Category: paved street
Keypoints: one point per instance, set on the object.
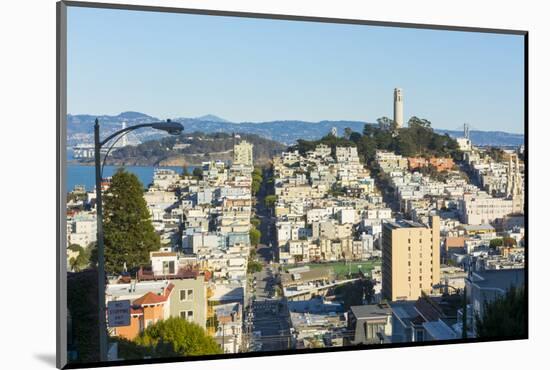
(272, 322)
(268, 314)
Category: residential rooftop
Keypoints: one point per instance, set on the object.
(371, 310)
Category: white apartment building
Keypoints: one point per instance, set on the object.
(478, 209)
(82, 230)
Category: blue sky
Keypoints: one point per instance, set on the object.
(179, 65)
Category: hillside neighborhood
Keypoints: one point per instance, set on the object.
(329, 243)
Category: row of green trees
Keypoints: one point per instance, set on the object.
(503, 242)
(418, 139)
(257, 180)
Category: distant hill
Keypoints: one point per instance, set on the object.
(211, 118)
(488, 138)
(192, 149)
(80, 129)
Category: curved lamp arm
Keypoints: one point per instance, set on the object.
(109, 151)
(124, 130)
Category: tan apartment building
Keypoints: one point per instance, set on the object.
(410, 259)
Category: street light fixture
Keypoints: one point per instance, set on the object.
(173, 128)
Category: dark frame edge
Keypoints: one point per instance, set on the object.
(526, 171)
(288, 17)
(61, 194)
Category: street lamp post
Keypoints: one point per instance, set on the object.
(173, 128)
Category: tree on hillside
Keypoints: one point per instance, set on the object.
(82, 260)
(384, 122)
(177, 337)
(255, 236)
(255, 221)
(347, 133)
(366, 146)
(185, 171)
(129, 233)
(355, 137)
(353, 294)
(197, 172)
(509, 242)
(130, 350)
(270, 201)
(504, 317)
(253, 267)
(415, 122)
(419, 139)
(257, 180)
(495, 243)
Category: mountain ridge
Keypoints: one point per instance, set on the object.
(80, 128)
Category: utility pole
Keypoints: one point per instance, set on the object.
(103, 345)
(173, 128)
(223, 337)
(464, 315)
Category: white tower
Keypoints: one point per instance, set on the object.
(334, 131)
(398, 107)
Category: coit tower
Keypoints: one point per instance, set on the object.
(398, 107)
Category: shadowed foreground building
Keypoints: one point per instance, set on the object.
(410, 259)
(370, 324)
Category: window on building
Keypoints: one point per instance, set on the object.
(189, 315)
(186, 294)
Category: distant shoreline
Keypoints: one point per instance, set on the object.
(92, 164)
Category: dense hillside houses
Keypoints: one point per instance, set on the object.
(324, 210)
(327, 250)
